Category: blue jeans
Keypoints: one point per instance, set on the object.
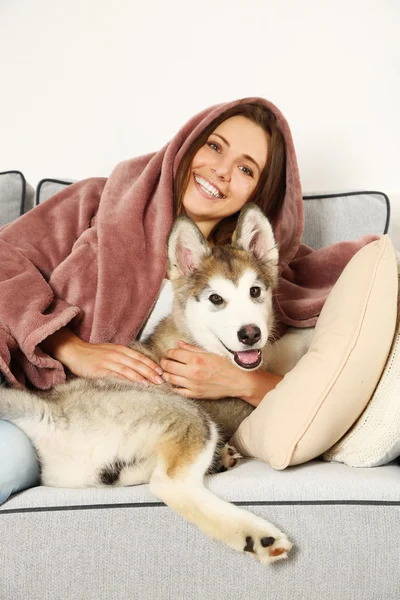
(19, 468)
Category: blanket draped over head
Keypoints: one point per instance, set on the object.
(93, 258)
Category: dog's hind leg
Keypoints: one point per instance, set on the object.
(24, 409)
(178, 480)
(16, 403)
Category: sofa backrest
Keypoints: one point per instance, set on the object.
(16, 196)
(328, 218)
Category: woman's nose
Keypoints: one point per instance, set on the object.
(222, 171)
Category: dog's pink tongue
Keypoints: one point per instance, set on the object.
(248, 357)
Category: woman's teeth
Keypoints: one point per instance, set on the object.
(207, 187)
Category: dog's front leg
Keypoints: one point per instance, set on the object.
(178, 481)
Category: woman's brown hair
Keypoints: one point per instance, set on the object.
(270, 190)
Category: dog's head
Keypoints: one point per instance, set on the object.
(223, 294)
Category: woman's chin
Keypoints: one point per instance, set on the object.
(205, 207)
(200, 209)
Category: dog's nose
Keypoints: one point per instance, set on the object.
(249, 335)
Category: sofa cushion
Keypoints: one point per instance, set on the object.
(251, 481)
(48, 187)
(374, 440)
(323, 395)
(16, 196)
(331, 218)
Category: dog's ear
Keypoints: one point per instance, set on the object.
(186, 248)
(254, 234)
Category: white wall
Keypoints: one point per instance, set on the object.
(87, 83)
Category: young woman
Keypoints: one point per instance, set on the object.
(80, 275)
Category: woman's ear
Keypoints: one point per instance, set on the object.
(186, 248)
(254, 234)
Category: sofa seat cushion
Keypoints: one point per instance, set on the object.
(251, 482)
(122, 543)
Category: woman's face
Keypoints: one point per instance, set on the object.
(225, 171)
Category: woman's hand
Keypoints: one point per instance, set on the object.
(198, 374)
(202, 375)
(101, 360)
(104, 360)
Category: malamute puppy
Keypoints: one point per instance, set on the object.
(108, 432)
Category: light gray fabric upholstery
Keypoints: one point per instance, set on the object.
(331, 218)
(122, 544)
(16, 196)
(48, 187)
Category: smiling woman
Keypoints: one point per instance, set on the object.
(72, 300)
(114, 232)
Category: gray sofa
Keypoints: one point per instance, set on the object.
(120, 544)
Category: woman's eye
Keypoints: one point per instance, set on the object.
(255, 292)
(216, 299)
(246, 171)
(214, 146)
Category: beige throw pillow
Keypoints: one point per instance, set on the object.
(375, 439)
(319, 400)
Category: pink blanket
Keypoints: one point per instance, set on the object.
(93, 257)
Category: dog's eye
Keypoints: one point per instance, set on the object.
(255, 292)
(216, 299)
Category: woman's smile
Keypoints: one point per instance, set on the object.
(207, 189)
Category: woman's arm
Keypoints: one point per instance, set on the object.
(63, 345)
(31, 248)
(202, 375)
(257, 384)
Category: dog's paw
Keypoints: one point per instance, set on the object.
(266, 548)
(229, 457)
